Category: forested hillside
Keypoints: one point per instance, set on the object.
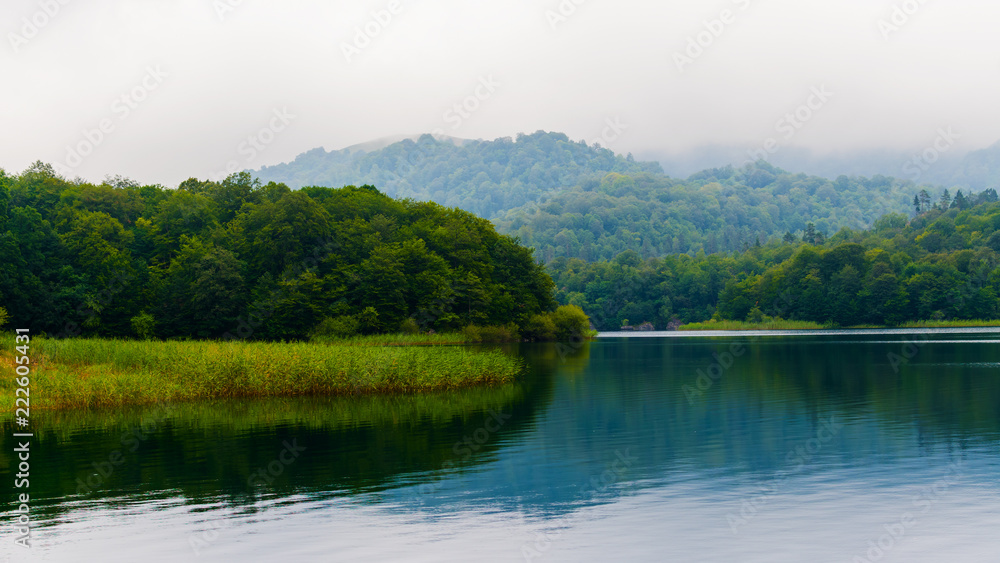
(244, 258)
(566, 198)
(941, 265)
(718, 210)
(238, 258)
(484, 177)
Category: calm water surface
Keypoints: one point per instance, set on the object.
(816, 446)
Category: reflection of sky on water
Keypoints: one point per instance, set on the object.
(605, 460)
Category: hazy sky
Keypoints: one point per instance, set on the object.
(182, 86)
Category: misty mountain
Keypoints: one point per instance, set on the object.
(717, 210)
(567, 198)
(484, 177)
(975, 170)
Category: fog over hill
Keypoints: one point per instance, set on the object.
(485, 177)
(569, 198)
(951, 167)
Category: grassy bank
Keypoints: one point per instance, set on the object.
(743, 325)
(438, 339)
(105, 373)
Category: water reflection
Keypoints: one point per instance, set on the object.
(604, 437)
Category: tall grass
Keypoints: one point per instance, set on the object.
(471, 334)
(103, 373)
(777, 324)
(401, 339)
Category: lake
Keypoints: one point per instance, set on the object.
(808, 446)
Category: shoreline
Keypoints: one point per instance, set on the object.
(808, 325)
(805, 332)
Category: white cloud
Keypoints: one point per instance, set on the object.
(607, 60)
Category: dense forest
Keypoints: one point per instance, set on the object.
(943, 264)
(244, 258)
(568, 198)
(241, 259)
(484, 177)
(718, 210)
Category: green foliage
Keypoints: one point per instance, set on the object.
(504, 333)
(570, 322)
(337, 327)
(144, 325)
(409, 326)
(484, 177)
(885, 276)
(567, 323)
(765, 324)
(79, 372)
(539, 328)
(3, 317)
(721, 210)
(368, 320)
(238, 259)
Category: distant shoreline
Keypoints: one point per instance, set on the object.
(988, 329)
(807, 325)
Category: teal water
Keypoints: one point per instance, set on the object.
(826, 446)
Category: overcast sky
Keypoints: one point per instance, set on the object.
(180, 85)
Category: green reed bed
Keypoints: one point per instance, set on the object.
(438, 339)
(102, 373)
(778, 324)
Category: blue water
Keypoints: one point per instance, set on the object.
(806, 446)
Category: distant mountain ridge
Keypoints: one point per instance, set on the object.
(379, 144)
(974, 170)
(484, 177)
(575, 200)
